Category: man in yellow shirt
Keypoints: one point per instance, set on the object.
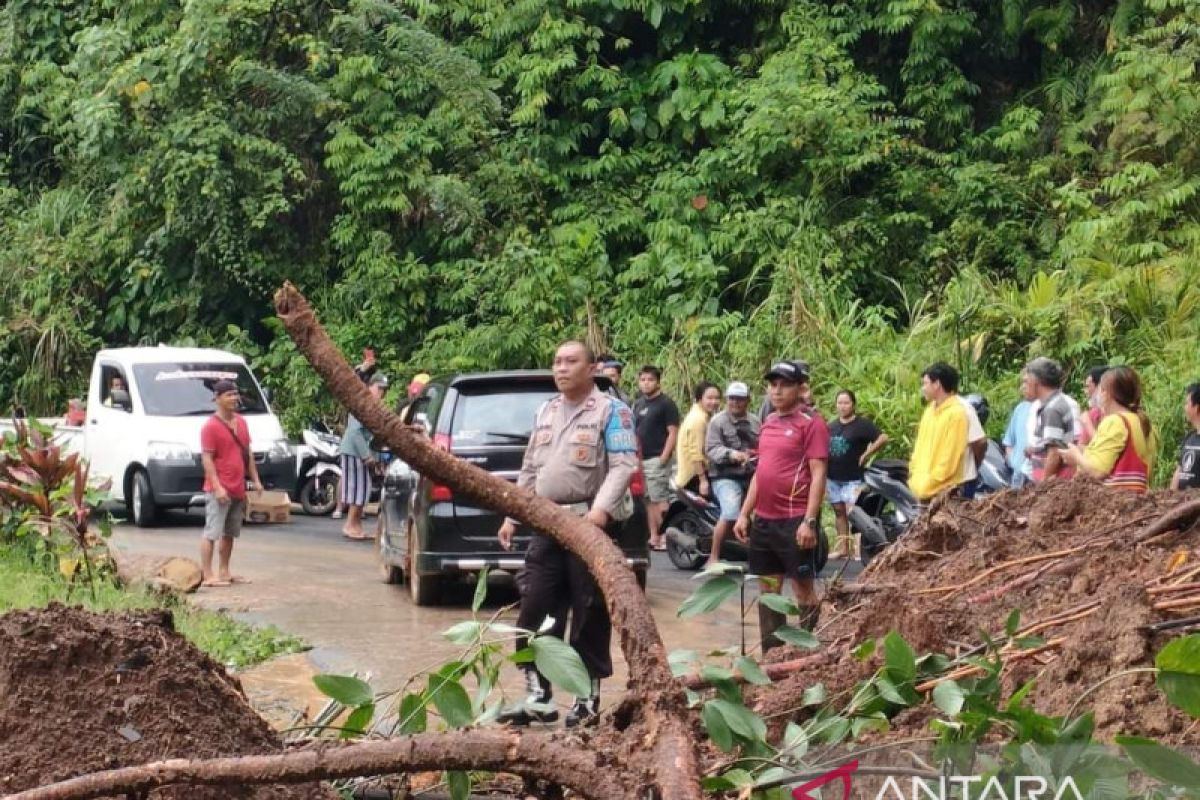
(941, 445)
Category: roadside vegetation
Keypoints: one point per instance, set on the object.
(52, 550)
(704, 185)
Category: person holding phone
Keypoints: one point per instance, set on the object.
(729, 445)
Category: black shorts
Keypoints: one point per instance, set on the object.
(773, 549)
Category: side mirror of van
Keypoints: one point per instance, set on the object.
(120, 399)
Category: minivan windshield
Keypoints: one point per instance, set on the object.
(483, 416)
(186, 389)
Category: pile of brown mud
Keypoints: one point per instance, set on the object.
(1063, 554)
(82, 692)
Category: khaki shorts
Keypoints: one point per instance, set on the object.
(658, 479)
(223, 519)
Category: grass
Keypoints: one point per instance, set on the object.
(24, 584)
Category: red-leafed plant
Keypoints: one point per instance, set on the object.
(47, 503)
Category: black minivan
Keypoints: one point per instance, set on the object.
(427, 536)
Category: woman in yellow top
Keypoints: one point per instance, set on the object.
(692, 463)
(1122, 452)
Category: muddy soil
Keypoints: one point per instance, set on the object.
(82, 692)
(933, 587)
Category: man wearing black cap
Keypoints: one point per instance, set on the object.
(225, 453)
(779, 515)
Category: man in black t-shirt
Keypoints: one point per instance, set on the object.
(1187, 474)
(657, 419)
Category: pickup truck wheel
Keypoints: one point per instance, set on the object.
(141, 502)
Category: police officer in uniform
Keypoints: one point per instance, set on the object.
(582, 455)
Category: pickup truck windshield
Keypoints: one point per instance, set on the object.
(186, 389)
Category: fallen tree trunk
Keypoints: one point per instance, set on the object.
(659, 751)
(531, 756)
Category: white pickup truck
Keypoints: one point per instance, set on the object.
(145, 408)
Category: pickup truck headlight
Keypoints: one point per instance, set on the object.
(280, 450)
(171, 451)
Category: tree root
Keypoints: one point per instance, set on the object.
(1181, 515)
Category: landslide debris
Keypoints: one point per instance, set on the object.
(1064, 554)
(82, 692)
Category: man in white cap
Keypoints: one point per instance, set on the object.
(729, 447)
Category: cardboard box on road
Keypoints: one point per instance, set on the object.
(268, 507)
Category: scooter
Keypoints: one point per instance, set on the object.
(689, 524)
(885, 508)
(319, 472)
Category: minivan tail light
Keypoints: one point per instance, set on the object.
(440, 493)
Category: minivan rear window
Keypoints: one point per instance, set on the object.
(483, 417)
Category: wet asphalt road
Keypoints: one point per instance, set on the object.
(309, 581)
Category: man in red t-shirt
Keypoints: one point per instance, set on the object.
(225, 453)
(785, 497)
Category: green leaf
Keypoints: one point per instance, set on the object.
(711, 594)
(741, 720)
(814, 695)
(522, 656)
(561, 665)
(1012, 623)
(682, 662)
(358, 721)
(797, 637)
(1029, 642)
(887, 690)
(1160, 762)
(718, 729)
(949, 697)
(772, 775)
(413, 717)
(481, 586)
(1179, 673)
(739, 778)
(779, 603)
(795, 740)
(451, 700)
(346, 689)
(463, 632)
(459, 783)
(751, 671)
(864, 650)
(900, 659)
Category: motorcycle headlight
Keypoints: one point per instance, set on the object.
(280, 450)
(170, 451)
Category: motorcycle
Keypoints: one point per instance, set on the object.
(689, 524)
(994, 472)
(884, 509)
(318, 471)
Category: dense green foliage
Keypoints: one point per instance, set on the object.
(870, 185)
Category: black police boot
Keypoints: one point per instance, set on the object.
(536, 706)
(769, 621)
(586, 710)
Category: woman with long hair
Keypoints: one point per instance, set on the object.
(1122, 452)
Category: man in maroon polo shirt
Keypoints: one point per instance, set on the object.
(779, 515)
(225, 453)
